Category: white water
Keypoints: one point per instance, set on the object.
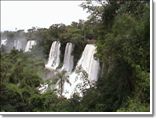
(78, 81)
(3, 41)
(54, 56)
(43, 88)
(68, 58)
(19, 44)
(29, 45)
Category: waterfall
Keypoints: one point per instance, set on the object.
(16, 44)
(54, 56)
(19, 44)
(88, 62)
(29, 45)
(3, 41)
(86, 73)
(68, 58)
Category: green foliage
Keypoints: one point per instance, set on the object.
(133, 105)
(19, 80)
(122, 33)
(62, 78)
(124, 51)
(21, 75)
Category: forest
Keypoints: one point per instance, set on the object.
(121, 32)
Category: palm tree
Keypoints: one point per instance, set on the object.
(63, 77)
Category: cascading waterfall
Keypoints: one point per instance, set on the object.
(86, 73)
(54, 56)
(68, 58)
(29, 45)
(83, 77)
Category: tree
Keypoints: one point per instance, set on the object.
(62, 78)
(123, 50)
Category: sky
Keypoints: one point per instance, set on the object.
(16, 15)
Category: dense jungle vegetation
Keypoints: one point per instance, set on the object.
(121, 31)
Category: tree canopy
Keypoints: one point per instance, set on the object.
(121, 32)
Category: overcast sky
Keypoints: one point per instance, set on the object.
(28, 14)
